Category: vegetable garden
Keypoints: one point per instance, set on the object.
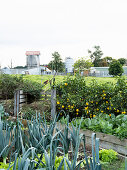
(42, 144)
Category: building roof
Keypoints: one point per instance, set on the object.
(32, 52)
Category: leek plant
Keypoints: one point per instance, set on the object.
(126, 163)
(65, 139)
(40, 134)
(18, 133)
(50, 142)
(51, 156)
(24, 162)
(5, 141)
(94, 161)
(75, 141)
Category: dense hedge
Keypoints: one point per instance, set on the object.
(9, 83)
(78, 99)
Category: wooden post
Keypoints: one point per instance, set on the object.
(22, 99)
(16, 102)
(19, 100)
(53, 103)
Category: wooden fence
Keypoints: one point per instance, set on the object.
(19, 99)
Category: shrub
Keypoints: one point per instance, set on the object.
(115, 68)
(33, 89)
(78, 99)
(70, 96)
(9, 83)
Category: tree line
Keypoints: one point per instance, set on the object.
(95, 59)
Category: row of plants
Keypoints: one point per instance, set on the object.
(113, 125)
(109, 160)
(9, 83)
(43, 146)
(78, 99)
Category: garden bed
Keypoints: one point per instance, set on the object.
(107, 141)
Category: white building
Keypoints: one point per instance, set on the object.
(41, 70)
(69, 62)
(103, 71)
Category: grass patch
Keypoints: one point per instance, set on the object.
(115, 165)
(59, 78)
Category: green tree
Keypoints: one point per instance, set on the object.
(82, 64)
(57, 63)
(108, 60)
(104, 62)
(20, 67)
(96, 56)
(115, 68)
(122, 61)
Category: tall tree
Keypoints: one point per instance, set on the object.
(104, 62)
(82, 64)
(122, 61)
(96, 55)
(57, 63)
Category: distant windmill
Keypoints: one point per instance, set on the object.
(32, 59)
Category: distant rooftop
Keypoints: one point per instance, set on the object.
(32, 52)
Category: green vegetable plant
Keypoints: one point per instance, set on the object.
(6, 141)
(114, 125)
(2, 112)
(50, 142)
(108, 155)
(40, 133)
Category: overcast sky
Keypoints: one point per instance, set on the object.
(70, 27)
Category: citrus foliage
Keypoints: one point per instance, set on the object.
(78, 99)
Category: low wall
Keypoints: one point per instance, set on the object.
(107, 141)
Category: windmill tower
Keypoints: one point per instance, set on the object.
(32, 59)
